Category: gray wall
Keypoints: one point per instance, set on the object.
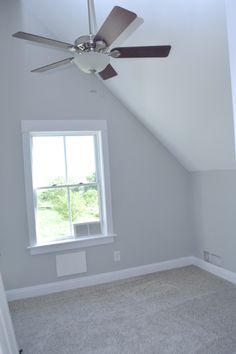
(215, 215)
(150, 189)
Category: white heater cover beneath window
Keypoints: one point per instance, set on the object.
(71, 263)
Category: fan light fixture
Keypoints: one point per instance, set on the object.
(91, 62)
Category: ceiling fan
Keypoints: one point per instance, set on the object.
(92, 52)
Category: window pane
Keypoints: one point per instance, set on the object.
(81, 166)
(48, 161)
(84, 204)
(52, 214)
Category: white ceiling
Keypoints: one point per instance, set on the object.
(185, 100)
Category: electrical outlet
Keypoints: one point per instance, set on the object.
(117, 256)
(212, 258)
(215, 259)
(206, 256)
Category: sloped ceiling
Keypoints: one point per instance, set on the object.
(185, 100)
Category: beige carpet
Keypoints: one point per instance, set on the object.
(179, 311)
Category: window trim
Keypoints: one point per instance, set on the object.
(30, 127)
(63, 245)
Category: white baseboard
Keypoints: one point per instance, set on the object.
(211, 268)
(90, 280)
(103, 278)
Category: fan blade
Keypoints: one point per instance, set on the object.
(52, 65)
(108, 72)
(116, 22)
(42, 40)
(128, 31)
(141, 52)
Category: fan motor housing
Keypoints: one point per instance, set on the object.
(87, 44)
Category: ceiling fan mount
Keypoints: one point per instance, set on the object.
(92, 52)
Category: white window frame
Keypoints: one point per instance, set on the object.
(34, 127)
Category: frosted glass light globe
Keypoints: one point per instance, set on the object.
(91, 62)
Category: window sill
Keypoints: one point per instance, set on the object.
(71, 244)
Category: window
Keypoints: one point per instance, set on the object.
(67, 184)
